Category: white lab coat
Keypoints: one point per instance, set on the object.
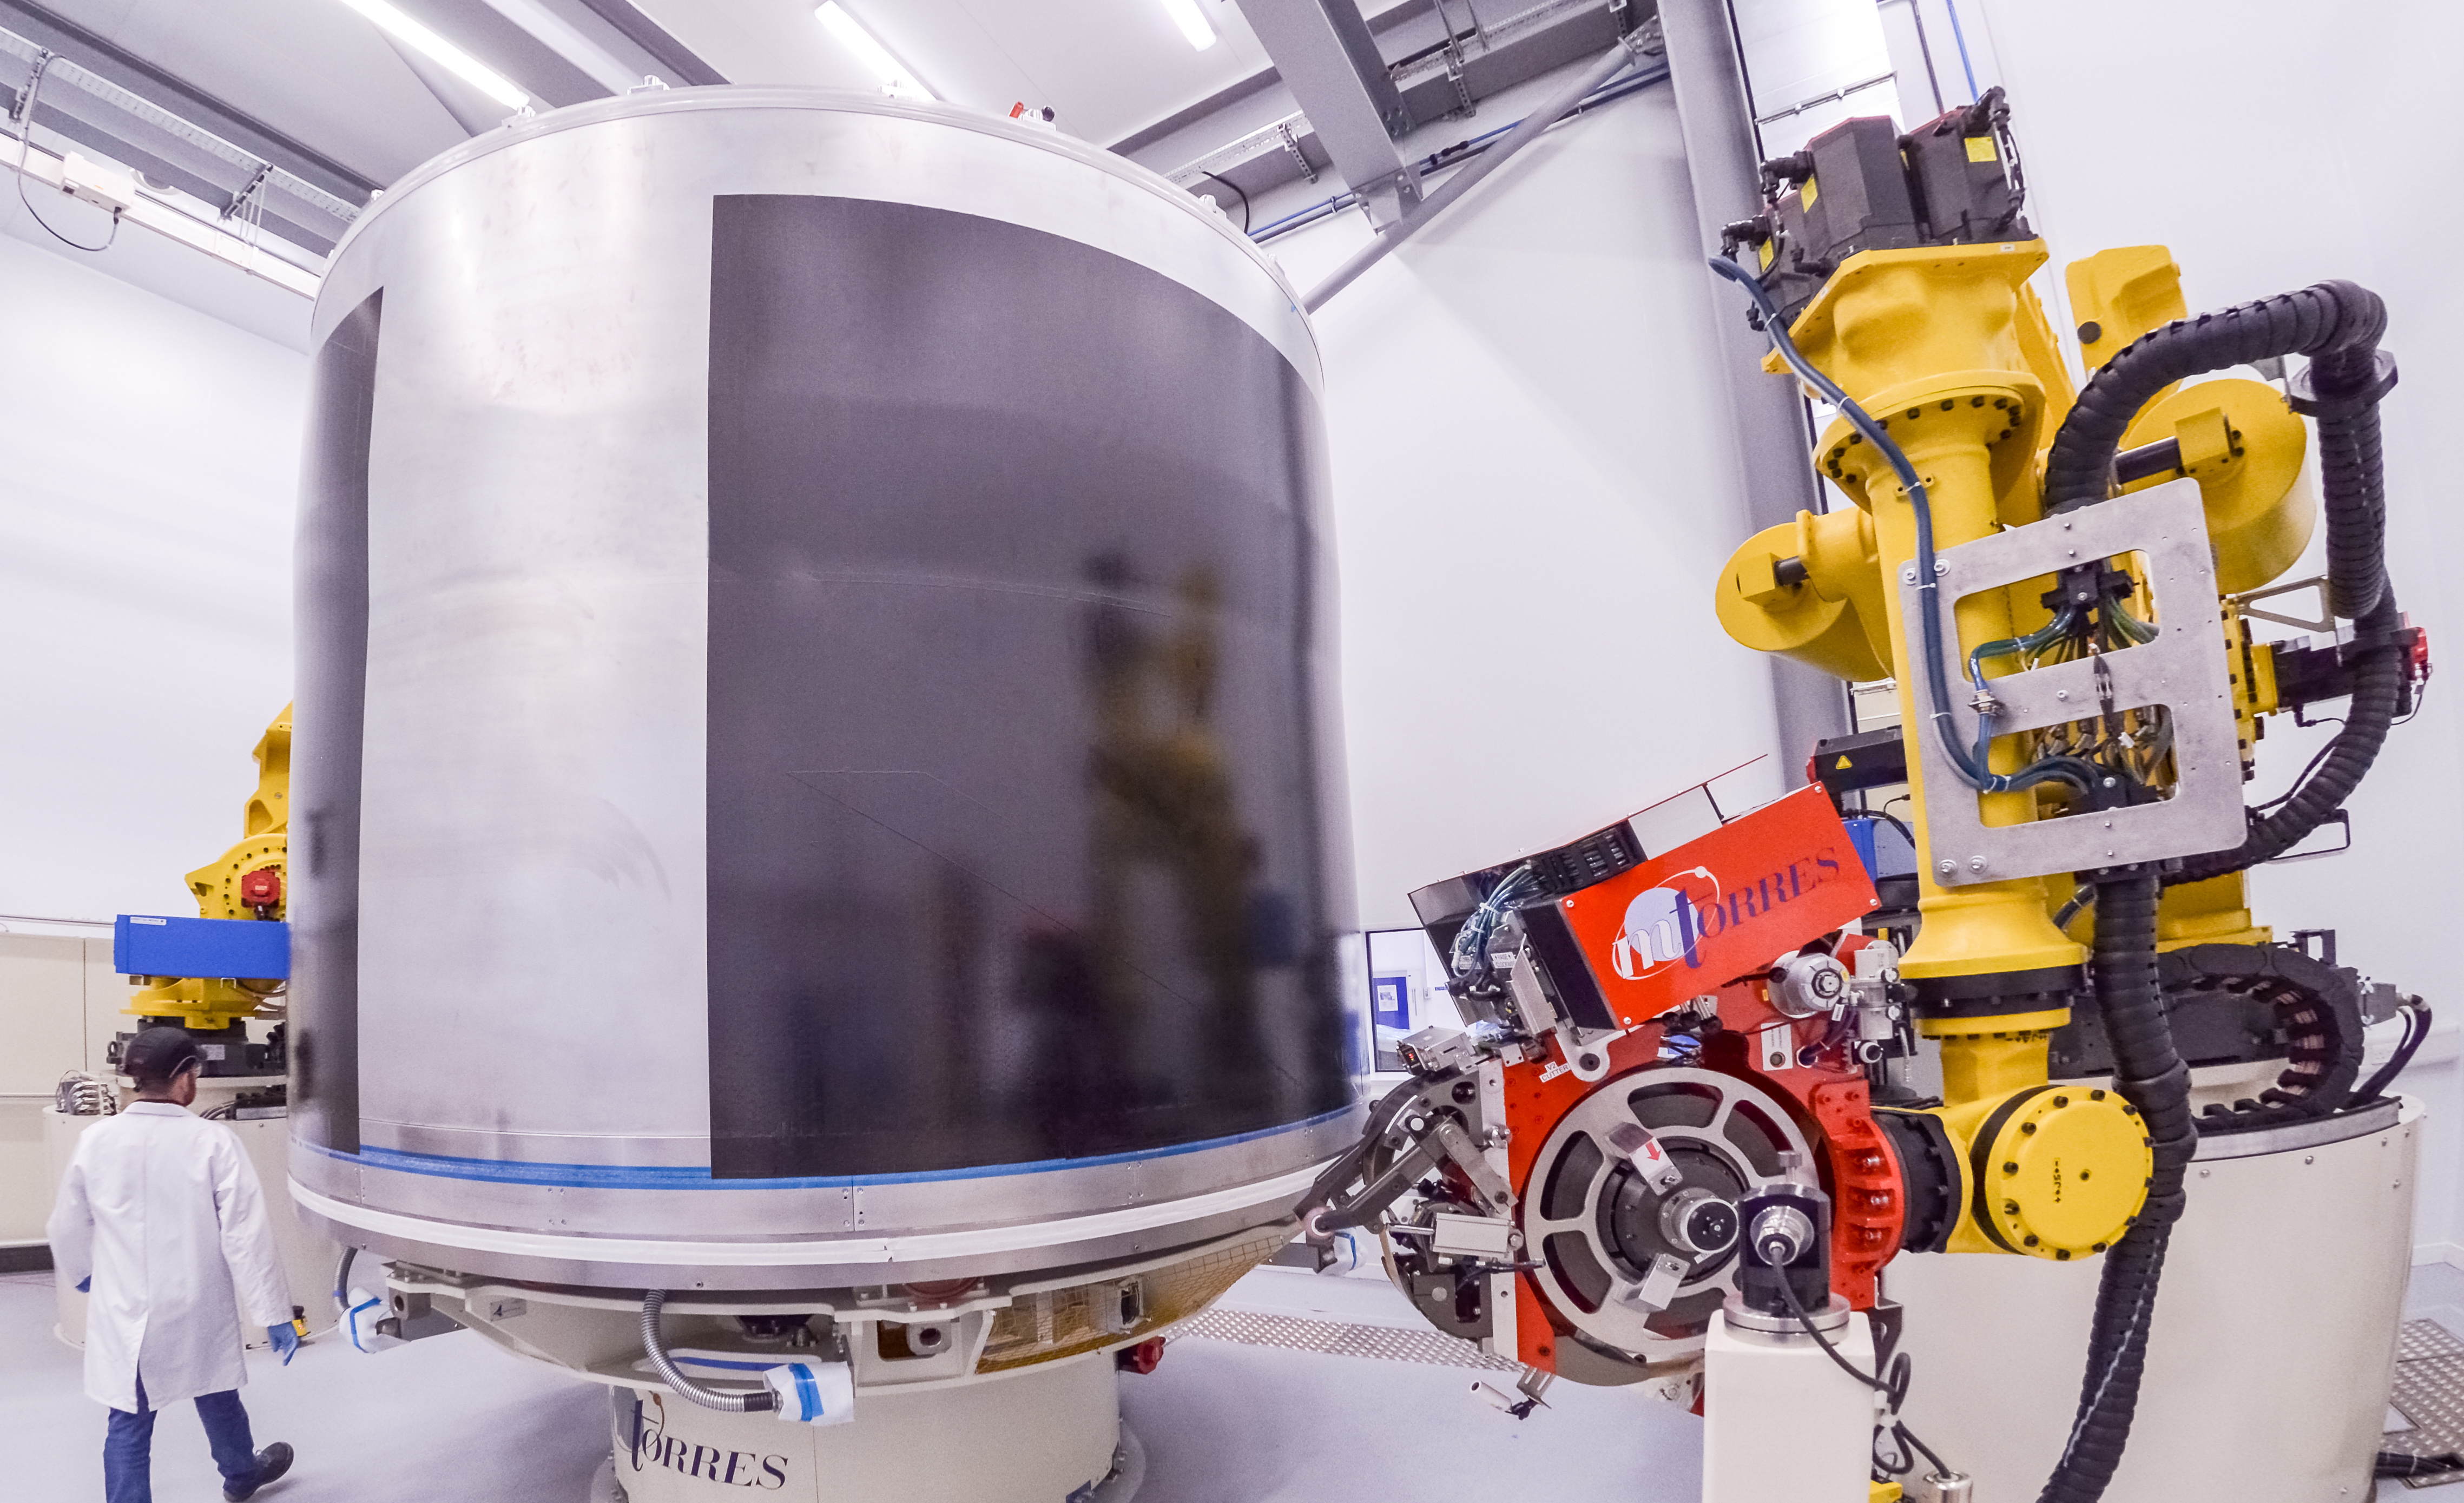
(164, 1210)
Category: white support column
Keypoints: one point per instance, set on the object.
(1782, 1424)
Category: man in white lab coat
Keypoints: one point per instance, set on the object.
(162, 1220)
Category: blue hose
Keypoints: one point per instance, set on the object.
(1971, 769)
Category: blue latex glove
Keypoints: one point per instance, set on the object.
(285, 1342)
(85, 1285)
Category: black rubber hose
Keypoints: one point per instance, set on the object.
(2378, 679)
(2416, 1018)
(2338, 325)
(2150, 1076)
(2352, 483)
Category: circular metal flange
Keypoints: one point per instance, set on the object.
(1831, 1317)
(2002, 409)
(217, 883)
(1586, 1215)
(2060, 1172)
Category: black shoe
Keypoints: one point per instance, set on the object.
(271, 1464)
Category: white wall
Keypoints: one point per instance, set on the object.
(1814, 64)
(147, 472)
(1534, 489)
(60, 1006)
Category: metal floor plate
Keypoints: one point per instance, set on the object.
(1341, 1338)
(2425, 1338)
(2430, 1392)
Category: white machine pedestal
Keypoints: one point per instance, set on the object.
(2274, 1341)
(1781, 1423)
(1047, 1434)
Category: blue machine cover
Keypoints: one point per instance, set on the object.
(145, 945)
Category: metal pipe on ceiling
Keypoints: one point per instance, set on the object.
(1459, 153)
(108, 61)
(1559, 104)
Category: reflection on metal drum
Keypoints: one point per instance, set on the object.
(814, 678)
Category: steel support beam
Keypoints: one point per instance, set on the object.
(1774, 453)
(1433, 71)
(1327, 58)
(1616, 60)
(630, 23)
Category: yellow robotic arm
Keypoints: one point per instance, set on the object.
(247, 881)
(2058, 583)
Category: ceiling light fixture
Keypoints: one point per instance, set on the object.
(1191, 22)
(461, 64)
(895, 81)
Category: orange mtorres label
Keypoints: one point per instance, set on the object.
(1724, 905)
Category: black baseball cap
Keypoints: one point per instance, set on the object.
(159, 1054)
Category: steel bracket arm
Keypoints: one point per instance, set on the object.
(1326, 55)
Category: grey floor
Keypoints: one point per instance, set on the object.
(448, 1419)
(2437, 1293)
(453, 1418)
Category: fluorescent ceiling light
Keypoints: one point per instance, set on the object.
(461, 64)
(1191, 22)
(895, 80)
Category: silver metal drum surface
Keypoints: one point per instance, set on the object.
(817, 758)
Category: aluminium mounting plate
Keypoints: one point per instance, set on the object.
(2184, 670)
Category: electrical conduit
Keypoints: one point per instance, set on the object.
(685, 1388)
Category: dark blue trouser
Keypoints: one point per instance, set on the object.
(129, 1446)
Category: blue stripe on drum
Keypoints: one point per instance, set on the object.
(630, 1176)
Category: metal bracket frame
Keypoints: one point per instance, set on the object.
(1330, 63)
(2182, 670)
(1292, 147)
(1451, 50)
(2246, 603)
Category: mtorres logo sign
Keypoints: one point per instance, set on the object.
(1721, 906)
(653, 1449)
(1664, 925)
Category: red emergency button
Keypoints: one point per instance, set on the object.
(261, 888)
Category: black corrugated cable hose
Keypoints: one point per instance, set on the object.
(2377, 680)
(2151, 1077)
(2337, 325)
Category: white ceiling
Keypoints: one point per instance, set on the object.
(320, 73)
(1105, 67)
(313, 69)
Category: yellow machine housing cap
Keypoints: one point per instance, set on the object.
(2062, 1171)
